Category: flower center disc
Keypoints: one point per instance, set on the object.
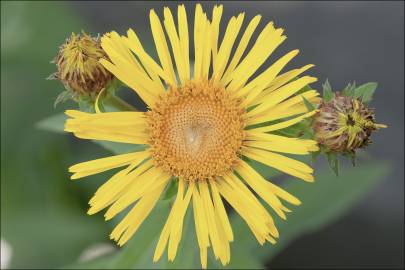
(196, 131)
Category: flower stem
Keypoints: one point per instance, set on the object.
(120, 104)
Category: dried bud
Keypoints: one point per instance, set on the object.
(78, 66)
(344, 124)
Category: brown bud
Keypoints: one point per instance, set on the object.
(78, 66)
(344, 124)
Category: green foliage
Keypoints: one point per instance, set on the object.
(63, 97)
(349, 89)
(352, 156)
(309, 105)
(327, 91)
(43, 215)
(323, 202)
(333, 162)
(365, 91)
(171, 189)
(54, 123)
(314, 156)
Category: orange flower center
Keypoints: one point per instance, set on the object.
(196, 131)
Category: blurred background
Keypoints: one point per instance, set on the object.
(43, 214)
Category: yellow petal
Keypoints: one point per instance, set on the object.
(282, 163)
(244, 41)
(151, 67)
(249, 197)
(259, 185)
(295, 147)
(255, 216)
(281, 80)
(103, 164)
(203, 257)
(284, 194)
(199, 25)
(225, 49)
(210, 216)
(267, 42)
(110, 191)
(281, 125)
(290, 107)
(165, 234)
(257, 85)
(200, 221)
(126, 68)
(220, 209)
(177, 227)
(206, 54)
(130, 224)
(140, 186)
(184, 39)
(216, 19)
(282, 93)
(171, 254)
(128, 77)
(175, 42)
(125, 127)
(161, 47)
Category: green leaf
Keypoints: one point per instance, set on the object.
(62, 97)
(333, 162)
(138, 252)
(54, 123)
(141, 242)
(365, 91)
(351, 156)
(314, 156)
(120, 148)
(303, 89)
(308, 104)
(349, 89)
(171, 190)
(327, 91)
(323, 202)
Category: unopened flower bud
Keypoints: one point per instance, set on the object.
(78, 66)
(344, 124)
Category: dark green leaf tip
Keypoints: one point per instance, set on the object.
(327, 91)
(308, 104)
(366, 91)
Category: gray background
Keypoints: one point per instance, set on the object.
(346, 41)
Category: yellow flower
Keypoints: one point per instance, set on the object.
(198, 127)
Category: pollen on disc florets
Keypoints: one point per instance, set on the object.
(196, 131)
(78, 65)
(344, 124)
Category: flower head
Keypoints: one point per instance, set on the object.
(199, 130)
(344, 124)
(78, 65)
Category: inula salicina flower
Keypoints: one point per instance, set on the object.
(344, 124)
(79, 68)
(198, 130)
